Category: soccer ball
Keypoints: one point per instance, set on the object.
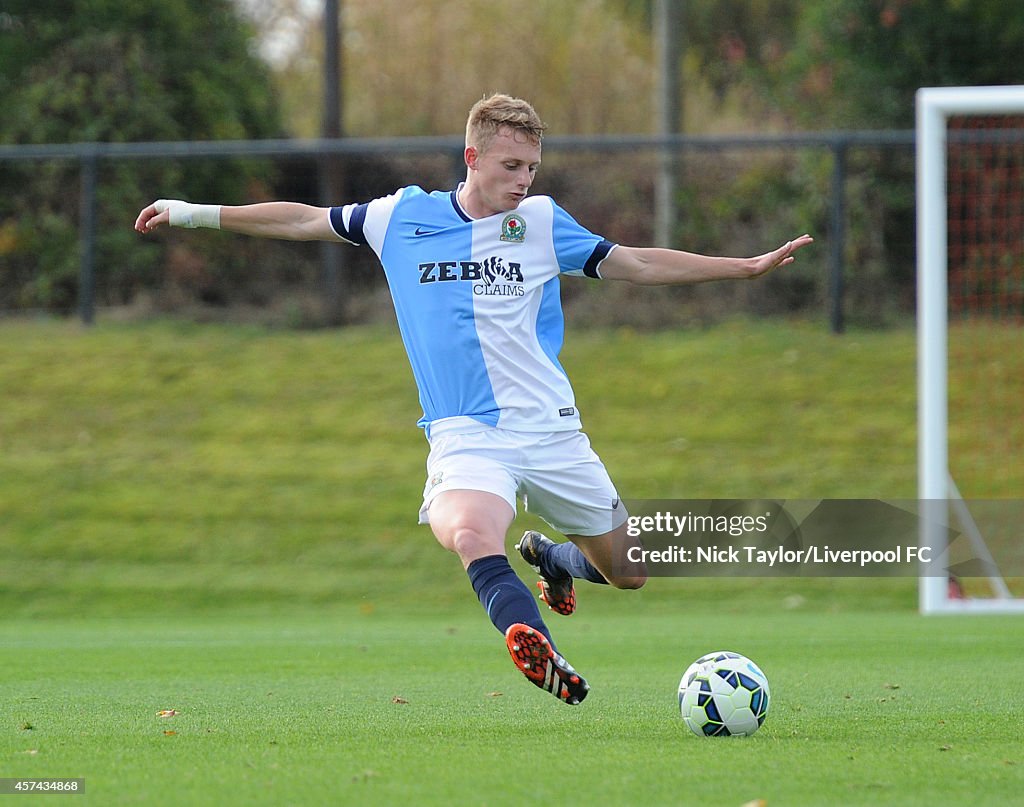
(723, 694)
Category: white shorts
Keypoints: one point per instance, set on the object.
(558, 475)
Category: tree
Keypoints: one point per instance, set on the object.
(858, 63)
(108, 71)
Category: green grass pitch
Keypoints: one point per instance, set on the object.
(869, 708)
(219, 521)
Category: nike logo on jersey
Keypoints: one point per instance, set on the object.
(421, 231)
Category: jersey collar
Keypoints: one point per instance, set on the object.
(458, 205)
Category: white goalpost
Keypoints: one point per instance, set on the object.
(990, 290)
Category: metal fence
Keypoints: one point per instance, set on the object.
(826, 178)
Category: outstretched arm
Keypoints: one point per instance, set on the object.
(659, 267)
(288, 220)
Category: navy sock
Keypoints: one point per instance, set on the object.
(503, 595)
(567, 559)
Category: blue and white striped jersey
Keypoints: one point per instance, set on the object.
(478, 303)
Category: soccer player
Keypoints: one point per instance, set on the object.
(474, 274)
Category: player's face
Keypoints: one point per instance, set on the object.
(502, 175)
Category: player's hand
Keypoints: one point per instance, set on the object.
(150, 218)
(783, 256)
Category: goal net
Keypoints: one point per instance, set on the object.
(970, 284)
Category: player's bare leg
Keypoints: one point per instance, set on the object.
(603, 559)
(472, 524)
(610, 553)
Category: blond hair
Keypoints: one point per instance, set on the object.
(489, 115)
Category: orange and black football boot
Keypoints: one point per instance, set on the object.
(559, 593)
(538, 661)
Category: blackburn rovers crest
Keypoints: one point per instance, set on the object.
(513, 228)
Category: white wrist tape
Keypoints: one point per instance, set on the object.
(185, 214)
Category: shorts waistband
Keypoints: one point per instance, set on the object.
(455, 425)
(462, 424)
